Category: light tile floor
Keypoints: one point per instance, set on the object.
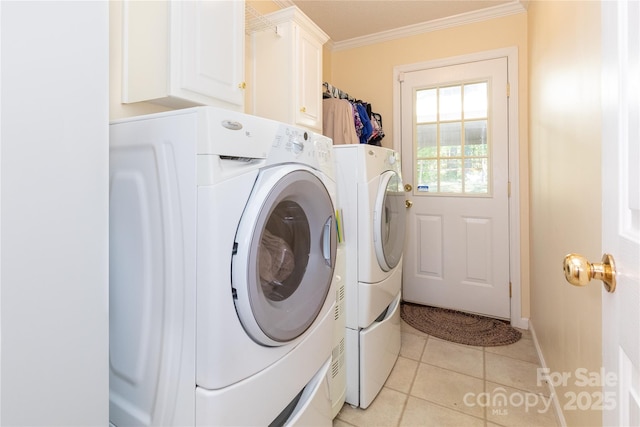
(439, 383)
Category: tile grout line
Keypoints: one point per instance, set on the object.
(415, 375)
(448, 408)
(485, 387)
(421, 362)
(484, 382)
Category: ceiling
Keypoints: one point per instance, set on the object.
(348, 19)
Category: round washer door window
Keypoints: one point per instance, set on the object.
(285, 257)
(389, 221)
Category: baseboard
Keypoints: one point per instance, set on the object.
(520, 322)
(554, 396)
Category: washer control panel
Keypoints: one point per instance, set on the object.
(293, 144)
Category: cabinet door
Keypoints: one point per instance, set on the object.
(309, 74)
(212, 44)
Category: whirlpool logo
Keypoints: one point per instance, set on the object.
(231, 124)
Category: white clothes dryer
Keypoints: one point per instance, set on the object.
(371, 198)
(223, 249)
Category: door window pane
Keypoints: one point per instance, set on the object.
(427, 140)
(475, 138)
(450, 103)
(450, 176)
(427, 105)
(476, 179)
(427, 175)
(475, 101)
(451, 139)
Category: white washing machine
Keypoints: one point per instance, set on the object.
(222, 287)
(371, 198)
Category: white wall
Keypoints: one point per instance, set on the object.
(54, 218)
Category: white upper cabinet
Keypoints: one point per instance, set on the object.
(184, 53)
(287, 68)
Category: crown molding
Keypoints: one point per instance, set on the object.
(283, 4)
(499, 11)
(512, 8)
(286, 15)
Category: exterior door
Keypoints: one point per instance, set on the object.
(285, 254)
(455, 159)
(621, 209)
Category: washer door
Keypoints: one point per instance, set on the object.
(389, 221)
(284, 257)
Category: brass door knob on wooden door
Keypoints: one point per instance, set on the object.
(579, 271)
(408, 203)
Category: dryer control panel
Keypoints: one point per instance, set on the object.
(392, 158)
(323, 148)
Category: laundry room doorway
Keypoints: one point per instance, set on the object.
(455, 149)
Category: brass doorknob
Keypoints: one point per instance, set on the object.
(578, 271)
(408, 187)
(408, 203)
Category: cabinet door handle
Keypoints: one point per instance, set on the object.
(303, 109)
(242, 85)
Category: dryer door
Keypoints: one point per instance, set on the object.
(284, 257)
(389, 221)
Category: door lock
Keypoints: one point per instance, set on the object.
(408, 187)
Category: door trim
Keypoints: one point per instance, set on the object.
(511, 53)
